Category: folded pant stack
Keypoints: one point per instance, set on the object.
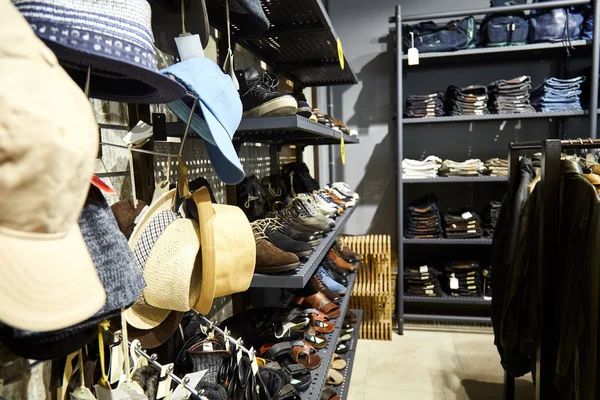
(558, 95)
(470, 100)
(425, 105)
(422, 281)
(497, 167)
(465, 225)
(489, 217)
(510, 96)
(474, 167)
(464, 278)
(422, 219)
(428, 168)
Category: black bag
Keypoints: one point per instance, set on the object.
(557, 24)
(504, 30)
(430, 37)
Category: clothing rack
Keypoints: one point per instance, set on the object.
(549, 254)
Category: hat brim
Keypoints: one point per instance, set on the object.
(153, 338)
(166, 23)
(43, 277)
(113, 78)
(145, 317)
(206, 220)
(163, 203)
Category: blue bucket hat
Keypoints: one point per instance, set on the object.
(217, 115)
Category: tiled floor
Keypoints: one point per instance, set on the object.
(423, 365)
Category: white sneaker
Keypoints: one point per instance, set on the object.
(344, 189)
(312, 208)
(327, 209)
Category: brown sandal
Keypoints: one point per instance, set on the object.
(316, 338)
(306, 355)
(329, 394)
(320, 302)
(319, 321)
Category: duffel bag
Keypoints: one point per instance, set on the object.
(555, 24)
(504, 30)
(430, 37)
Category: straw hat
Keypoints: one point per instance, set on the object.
(228, 250)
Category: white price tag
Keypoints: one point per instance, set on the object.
(208, 346)
(467, 215)
(182, 393)
(116, 362)
(164, 382)
(424, 268)
(413, 56)
(453, 282)
(139, 135)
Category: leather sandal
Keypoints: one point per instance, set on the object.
(306, 355)
(342, 348)
(320, 302)
(316, 338)
(297, 373)
(334, 378)
(344, 338)
(319, 321)
(350, 317)
(329, 394)
(338, 362)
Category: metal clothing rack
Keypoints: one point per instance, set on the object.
(398, 19)
(549, 254)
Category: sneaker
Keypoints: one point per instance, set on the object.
(259, 96)
(328, 209)
(274, 188)
(271, 259)
(305, 217)
(339, 198)
(304, 110)
(271, 228)
(310, 205)
(344, 189)
(328, 280)
(324, 196)
(287, 218)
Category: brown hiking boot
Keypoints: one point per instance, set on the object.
(270, 259)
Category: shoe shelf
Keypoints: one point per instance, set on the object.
(447, 299)
(298, 278)
(319, 375)
(344, 389)
(446, 241)
(288, 129)
(301, 43)
(492, 117)
(457, 179)
(531, 51)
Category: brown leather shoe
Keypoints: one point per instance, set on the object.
(315, 285)
(339, 261)
(270, 259)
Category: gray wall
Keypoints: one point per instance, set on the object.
(368, 107)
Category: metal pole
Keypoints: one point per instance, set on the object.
(595, 71)
(400, 189)
(330, 147)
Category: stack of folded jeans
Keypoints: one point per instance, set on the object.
(463, 225)
(558, 95)
(425, 105)
(470, 100)
(497, 167)
(422, 219)
(464, 278)
(428, 168)
(489, 217)
(422, 281)
(473, 167)
(510, 96)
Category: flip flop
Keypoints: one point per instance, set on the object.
(319, 321)
(316, 338)
(338, 362)
(334, 378)
(342, 348)
(306, 355)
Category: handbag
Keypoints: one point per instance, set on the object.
(504, 30)
(430, 37)
(555, 24)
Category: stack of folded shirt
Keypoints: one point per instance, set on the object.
(497, 166)
(428, 168)
(464, 225)
(510, 96)
(487, 283)
(472, 167)
(422, 281)
(471, 100)
(558, 95)
(422, 219)
(464, 278)
(425, 105)
(489, 218)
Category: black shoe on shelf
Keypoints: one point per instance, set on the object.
(338, 275)
(271, 228)
(259, 96)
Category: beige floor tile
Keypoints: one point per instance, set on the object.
(356, 392)
(478, 355)
(360, 368)
(382, 393)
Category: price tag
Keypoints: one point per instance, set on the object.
(116, 362)
(453, 282)
(424, 268)
(239, 355)
(82, 393)
(208, 346)
(181, 392)
(340, 52)
(467, 215)
(164, 382)
(413, 52)
(343, 150)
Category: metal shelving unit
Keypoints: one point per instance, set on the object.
(320, 374)
(447, 299)
(344, 389)
(300, 44)
(457, 179)
(473, 56)
(300, 277)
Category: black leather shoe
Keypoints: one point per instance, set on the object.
(312, 240)
(337, 274)
(271, 229)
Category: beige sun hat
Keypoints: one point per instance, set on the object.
(228, 250)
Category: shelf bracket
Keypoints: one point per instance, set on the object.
(300, 152)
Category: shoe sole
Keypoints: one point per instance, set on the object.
(314, 243)
(280, 268)
(285, 105)
(304, 253)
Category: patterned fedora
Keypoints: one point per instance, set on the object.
(113, 37)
